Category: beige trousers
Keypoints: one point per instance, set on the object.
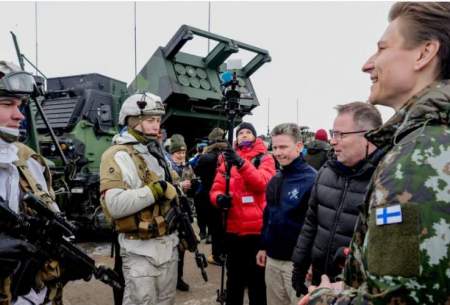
(278, 277)
(147, 284)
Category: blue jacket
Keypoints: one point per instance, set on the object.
(287, 196)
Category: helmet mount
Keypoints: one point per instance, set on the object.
(142, 103)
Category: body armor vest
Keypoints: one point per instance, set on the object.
(28, 183)
(147, 223)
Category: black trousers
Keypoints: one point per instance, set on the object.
(215, 226)
(201, 207)
(242, 271)
(180, 263)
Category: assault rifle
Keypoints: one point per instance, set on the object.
(51, 234)
(178, 218)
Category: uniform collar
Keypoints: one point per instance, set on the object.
(431, 105)
(295, 165)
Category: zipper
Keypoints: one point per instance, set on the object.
(333, 232)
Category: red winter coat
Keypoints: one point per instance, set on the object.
(247, 184)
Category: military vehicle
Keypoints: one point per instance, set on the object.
(82, 113)
(190, 85)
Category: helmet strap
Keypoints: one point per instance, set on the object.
(140, 136)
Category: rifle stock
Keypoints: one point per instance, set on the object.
(52, 235)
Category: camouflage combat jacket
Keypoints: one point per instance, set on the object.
(401, 247)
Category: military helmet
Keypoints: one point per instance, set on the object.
(14, 82)
(141, 104)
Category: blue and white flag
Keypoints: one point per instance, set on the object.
(388, 215)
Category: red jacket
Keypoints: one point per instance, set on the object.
(247, 187)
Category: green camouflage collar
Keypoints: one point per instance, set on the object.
(431, 105)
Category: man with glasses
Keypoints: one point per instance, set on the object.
(400, 252)
(336, 196)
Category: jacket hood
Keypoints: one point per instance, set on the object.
(249, 153)
(317, 146)
(431, 105)
(218, 146)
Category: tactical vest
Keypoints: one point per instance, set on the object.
(150, 221)
(28, 183)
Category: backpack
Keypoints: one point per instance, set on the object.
(256, 161)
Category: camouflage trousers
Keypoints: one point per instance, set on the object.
(146, 284)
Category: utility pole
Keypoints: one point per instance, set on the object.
(268, 117)
(297, 110)
(36, 34)
(209, 22)
(135, 45)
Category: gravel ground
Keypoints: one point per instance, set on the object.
(96, 293)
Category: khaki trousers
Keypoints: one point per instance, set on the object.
(278, 277)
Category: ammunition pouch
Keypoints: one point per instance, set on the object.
(148, 223)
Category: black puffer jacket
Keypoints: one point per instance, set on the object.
(332, 213)
(207, 165)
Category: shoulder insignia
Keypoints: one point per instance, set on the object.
(389, 215)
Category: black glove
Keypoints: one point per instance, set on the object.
(233, 158)
(223, 201)
(298, 281)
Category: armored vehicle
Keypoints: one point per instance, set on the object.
(82, 113)
(190, 85)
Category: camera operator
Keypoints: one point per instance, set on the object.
(245, 207)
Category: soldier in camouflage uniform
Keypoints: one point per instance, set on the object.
(400, 253)
(137, 195)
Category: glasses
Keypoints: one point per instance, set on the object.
(338, 135)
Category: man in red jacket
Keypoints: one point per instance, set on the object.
(251, 171)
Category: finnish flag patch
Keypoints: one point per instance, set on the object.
(389, 215)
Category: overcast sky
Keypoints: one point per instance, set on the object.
(317, 48)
